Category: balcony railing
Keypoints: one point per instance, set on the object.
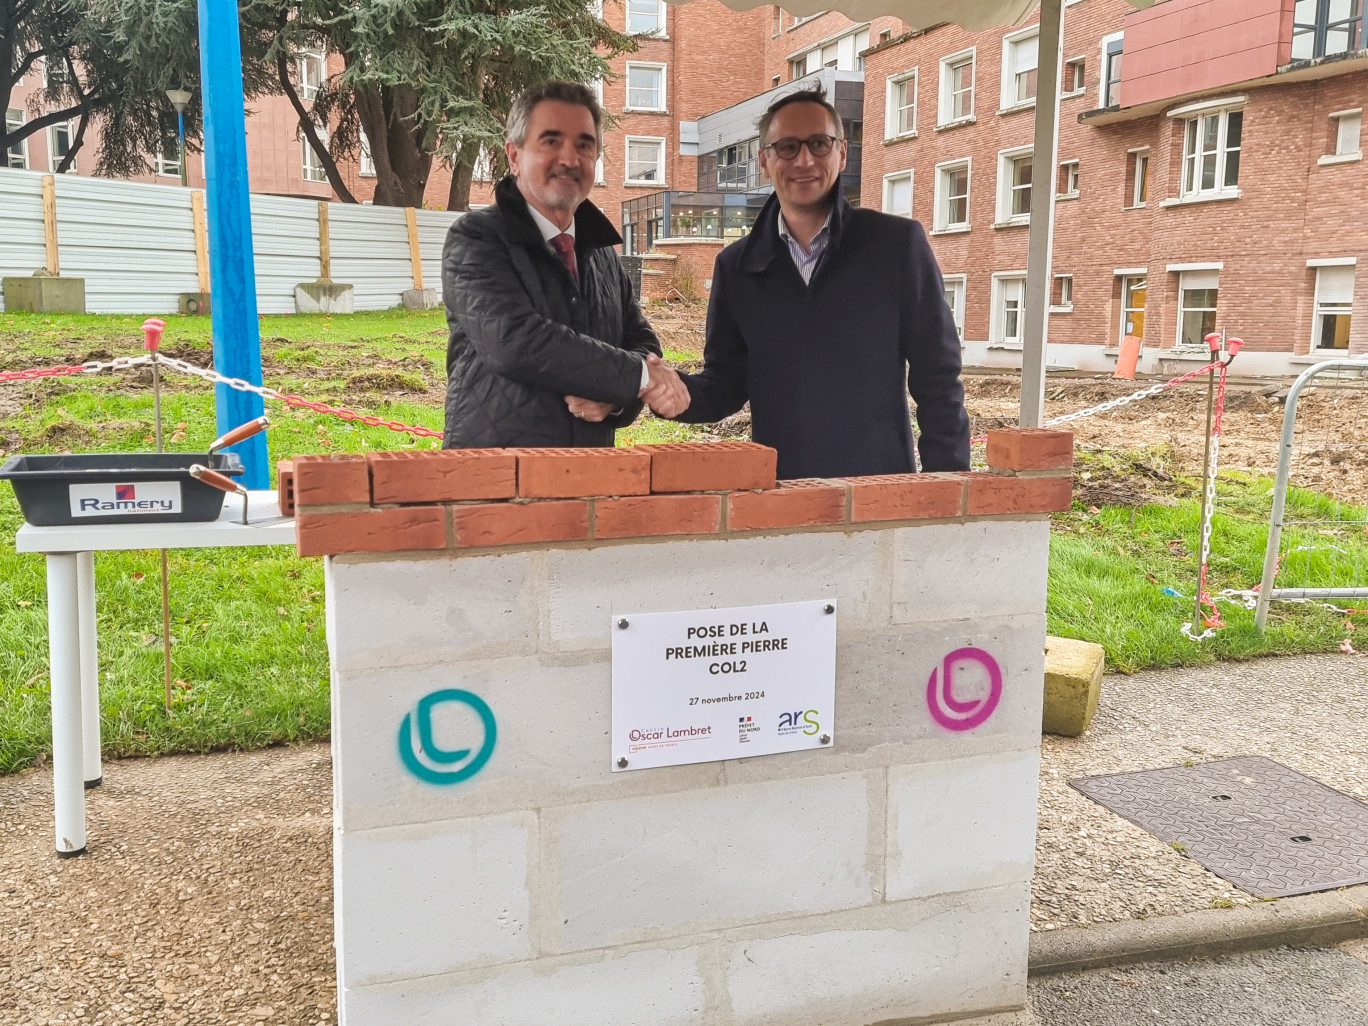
(1323, 28)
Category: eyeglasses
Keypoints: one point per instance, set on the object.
(818, 146)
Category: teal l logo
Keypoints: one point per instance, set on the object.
(429, 761)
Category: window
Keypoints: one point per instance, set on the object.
(645, 161)
(313, 165)
(55, 74)
(645, 86)
(168, 167)
(1196, 307)
(1334, 301)
(367, 160)
(902, 105)
(1020, 53)
(1139, 177)
(843, 54)
(956, 87)
(897, 194)
(1008, 307)
(954, 299)
(1133, 306)
(1061, 297)
(1211, 152)
(1321, 28)
(1111, 70)
(646, 17)
(483, 169)
(16, 154)
(1074, 71)
(885, 36)
(1068, 178)
(59, 145)
(1014, 186)
(952, 196)
(313, 70)
(1346, 128)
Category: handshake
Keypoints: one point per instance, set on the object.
(665, 394)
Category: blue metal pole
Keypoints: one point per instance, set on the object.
(233, 309)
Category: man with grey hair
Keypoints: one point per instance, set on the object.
(548, 345)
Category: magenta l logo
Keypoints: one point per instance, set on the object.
(957, 714)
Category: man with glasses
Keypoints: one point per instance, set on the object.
(548, 346)
(825, 317)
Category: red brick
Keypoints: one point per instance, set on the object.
(442, 475)
(518, 523)
(641, 516)
(579, 473)
(994, 493)
(802, 503)
(1030, 448)
(285, 493)
(400, 529)
(906, 497)
(330, 480)
(710, 466)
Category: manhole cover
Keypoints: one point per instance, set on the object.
(1252, 821)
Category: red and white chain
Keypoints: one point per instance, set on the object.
(64, 369)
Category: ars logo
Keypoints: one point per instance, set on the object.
(799, 720)
(965, 689)
(426, 757)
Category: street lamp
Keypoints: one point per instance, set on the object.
(180, 98)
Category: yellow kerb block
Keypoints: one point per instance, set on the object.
(1073, 682)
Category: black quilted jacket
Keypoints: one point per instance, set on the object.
(524, 335)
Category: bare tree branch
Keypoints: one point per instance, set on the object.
(310, 131)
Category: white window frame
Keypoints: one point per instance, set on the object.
(12, 123)
(940, 219)
(945, 112)
(1010, 72)
(958, 284)
(366, 164)
(627, 86)
(1104, 70)
(306, 58)
(1320, 309)
(1183, 278)
(1068, 178)
(164, 168)
(54, 161)
(888, 182)
(1139, 176)
(659, 30)
(1065, 304)
(1340, 154)
(893, 108)
(1138, 275)
(1005, 190)
(1004, 283)
(1193, 160)
(1074, 90)
(627, 142)
(312, 164)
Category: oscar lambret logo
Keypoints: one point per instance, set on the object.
(425, 758)
(958, 712)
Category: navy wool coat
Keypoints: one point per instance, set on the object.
(827, 366)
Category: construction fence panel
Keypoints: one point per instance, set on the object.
(1317, 549)
(133, 243)
(370, 252)
(433, 226)
(285, 245)
(22, 249)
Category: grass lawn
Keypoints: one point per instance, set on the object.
(249, 654)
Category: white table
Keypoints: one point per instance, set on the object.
(71, 629)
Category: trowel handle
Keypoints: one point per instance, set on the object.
(239, 433)
(215, 480)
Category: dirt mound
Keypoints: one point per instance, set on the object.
(73, 436)
(388, 381)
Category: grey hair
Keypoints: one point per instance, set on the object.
(566, 92)
(813, 94)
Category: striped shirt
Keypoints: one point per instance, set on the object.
(806, 259)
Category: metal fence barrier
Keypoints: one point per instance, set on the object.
(1323, 450)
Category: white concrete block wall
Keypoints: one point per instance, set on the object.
(885, 877)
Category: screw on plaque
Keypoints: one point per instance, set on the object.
(828, 609)
(622, 762)
(826, 739)
(622, 624)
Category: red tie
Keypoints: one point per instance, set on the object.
(564, 244)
